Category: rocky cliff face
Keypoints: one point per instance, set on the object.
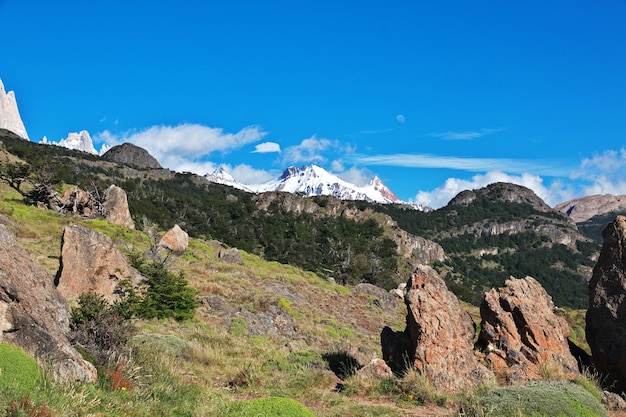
(127, 153)
(9, 114)
(33, 314)
(606, 316)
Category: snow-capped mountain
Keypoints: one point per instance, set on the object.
(78, 141)
(9, 114)
(312, 181)
(220, 176)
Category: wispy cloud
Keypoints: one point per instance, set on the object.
(557, 168)
(465, 135)
(267, 147)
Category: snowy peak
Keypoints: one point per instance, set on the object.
(377, 185)
(78, 141)
(220, 176)
(313, 180)
(9, 114)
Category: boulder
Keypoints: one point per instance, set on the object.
(520, 332)
(90, 263)
(375, 369)
(441, 334)
(606, 316)
(115, 207)
(33, 315)
(231, 256)
(175, 239)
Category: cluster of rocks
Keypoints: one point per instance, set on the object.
(521, 331)
(34, 306)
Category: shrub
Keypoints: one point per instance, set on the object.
(539, 399)
(99, 329)
(167, 295)
(267, 407)
(18, 370)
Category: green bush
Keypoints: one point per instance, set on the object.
(18, 370)
(267, 407)
(562, 399)
(167, 295)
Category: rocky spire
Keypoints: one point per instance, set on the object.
(9, 114)
(606, 316)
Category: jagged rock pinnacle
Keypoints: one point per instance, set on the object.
(9, 114)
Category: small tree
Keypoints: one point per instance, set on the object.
(168, 294)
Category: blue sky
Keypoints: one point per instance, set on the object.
(432, 96)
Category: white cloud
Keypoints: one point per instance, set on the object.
(603, 173)
(267, 147)
(555, 193)
(308, 151)
(355, 175)
(247, 174)
(400, 118)
(182, 147)
(467, 135)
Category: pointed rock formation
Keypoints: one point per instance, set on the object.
(9, 114)
(116, 207)
(520, 332)
(606, 316)
(176, 239)
(441, 335)
(33, 315)
(90, 263)
(78, 141)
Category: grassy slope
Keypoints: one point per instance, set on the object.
(200, 367)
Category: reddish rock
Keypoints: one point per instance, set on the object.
(520, 332)
(606, 316)
(33, 315)
(375, 369)
(90, 263)
(176, 239)
(116, 207)
(442, 334)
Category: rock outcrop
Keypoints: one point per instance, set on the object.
(90, 263)
(441, 334)
(33, 315)
(502, 191)
(9, 114)
(175, 239)
(116, 209)
(231, 256)
(606, 316)
(520, 331)
(127, 153)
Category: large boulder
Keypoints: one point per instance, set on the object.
(33, 314)
(520, 332)
(606, 316)
(90, 263)
(441, 334)
(175, 239)
(115, 207)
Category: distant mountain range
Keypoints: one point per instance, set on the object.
(313, 180)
